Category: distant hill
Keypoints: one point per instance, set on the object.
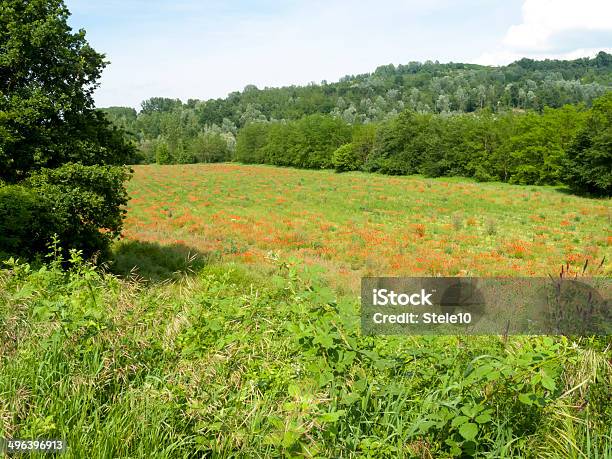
(423, 87)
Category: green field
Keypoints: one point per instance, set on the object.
(228, 324)
(356, 224)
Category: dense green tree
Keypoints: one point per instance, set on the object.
(47, 77)
(209, 147)
(309, 142)
(399, 145)
(52, 140)
(281, 147)
(316, 139)
(162, 153)
(249, 141)
(536, 150)
(516, 147)
(589, 158)
(160, 105)
(345, 158)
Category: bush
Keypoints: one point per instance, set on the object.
(26, 221)
(251, 138)
(84, 205)
(345, 159)
(209, 148)
(318, 136)
(400, 144)
(162, 154)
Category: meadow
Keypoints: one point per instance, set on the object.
(227, 324)
(357, 224)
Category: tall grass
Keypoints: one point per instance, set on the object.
(228, 361)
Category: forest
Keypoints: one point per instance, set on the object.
(527, 123)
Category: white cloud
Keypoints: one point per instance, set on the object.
(549, 27)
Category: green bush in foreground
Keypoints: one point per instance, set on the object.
(82, 205)
(25, 220)
(233, 363)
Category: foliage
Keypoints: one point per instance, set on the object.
(426, 88)
(25, 221)
(87, 203)
(82, 205)
(231, 362)
(345, 158)
(51, 138)
(398, 149)
(250, 140)
(162, 154)
(589, 158)
(521, 148)
(429, 87)
(210, 147)
(47, 77)
(309, 142)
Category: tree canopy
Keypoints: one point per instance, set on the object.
(62, 155)
(47, 76)
(589, 158)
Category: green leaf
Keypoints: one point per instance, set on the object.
(527, 399)
(459, 420)
(332, 417)
(468, 431)
(349, 399)
(325, 340)
(294, 390)
(483, 418)
(471, 410)
(548, 382)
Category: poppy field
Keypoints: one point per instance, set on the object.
(358, 224)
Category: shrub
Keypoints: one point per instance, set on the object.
(48, 120)
(209, 148)
(249, 142)
(86, 203)
(345, 158)
(26, 221)
(162, 154)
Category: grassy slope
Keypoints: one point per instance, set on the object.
(260, 355)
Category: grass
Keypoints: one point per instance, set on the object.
(357, 224)
(232, 327)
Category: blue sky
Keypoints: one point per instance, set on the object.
(206, 49)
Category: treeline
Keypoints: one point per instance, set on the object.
(168, 130)
(571, 145)
(309, 142)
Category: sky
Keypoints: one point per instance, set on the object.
(206, 49)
